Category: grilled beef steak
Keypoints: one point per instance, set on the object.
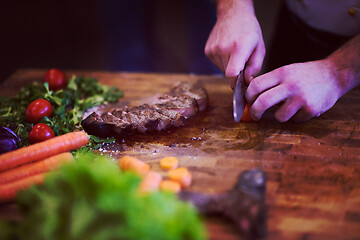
(169, 110)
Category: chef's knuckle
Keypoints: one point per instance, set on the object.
(208, 50)
(221, 48)
(255, 86)
(293, 87)
(233, 44)
(282, 72)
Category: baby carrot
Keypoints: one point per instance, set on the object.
(150, 182)
(246, 117)
(128, 163)
(34, 168)
(45, 149)
(180, 175)
(170, 186)
(168, 163)
(8, 191)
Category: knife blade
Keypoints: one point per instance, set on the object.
(239, 97)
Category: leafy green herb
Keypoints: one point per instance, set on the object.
(69, 104)
(92, 199)
(95, 142)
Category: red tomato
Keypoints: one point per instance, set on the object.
(37, 110)
(40, 132)
(56, 79)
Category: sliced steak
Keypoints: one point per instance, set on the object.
(169, 110)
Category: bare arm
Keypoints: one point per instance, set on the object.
(236, 40)
(346, 65)
(305, 90)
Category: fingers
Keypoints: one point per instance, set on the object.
(288, 109)
(214, 57)
(253, 65)
(261, 84)
(304, 114)
(301, 116)
(268, 99)
(304, 90)
(231, 58)
(236, 63)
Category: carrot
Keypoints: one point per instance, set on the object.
(34, 168)
(168, 163)
(180, 175)
(170, 186)
(8, 191)
(246, 117)
(45, 149)
(150, 182)
(128, 163)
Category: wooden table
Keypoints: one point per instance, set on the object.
(313, 168)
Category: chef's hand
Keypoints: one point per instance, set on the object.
(305, 90)
(236, 40)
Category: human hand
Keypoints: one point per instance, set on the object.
(236, 40)
(304, 90)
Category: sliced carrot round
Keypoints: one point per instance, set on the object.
(168, 163)
(150, 182)
(170, 186)
(129, 163)
(181, 175)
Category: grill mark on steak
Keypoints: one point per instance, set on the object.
(170, 110)
(182, 104)
(193, 91)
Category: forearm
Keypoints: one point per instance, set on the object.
(224, 6)
(345, 63)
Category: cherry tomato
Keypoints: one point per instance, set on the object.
(37, 110)
(40, 132)
(56, 79)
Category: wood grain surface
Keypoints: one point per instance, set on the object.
(313, 168)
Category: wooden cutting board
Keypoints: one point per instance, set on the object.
(313, 168)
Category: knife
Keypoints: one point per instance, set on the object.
(239, 97)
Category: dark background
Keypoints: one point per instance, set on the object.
(110, 35)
